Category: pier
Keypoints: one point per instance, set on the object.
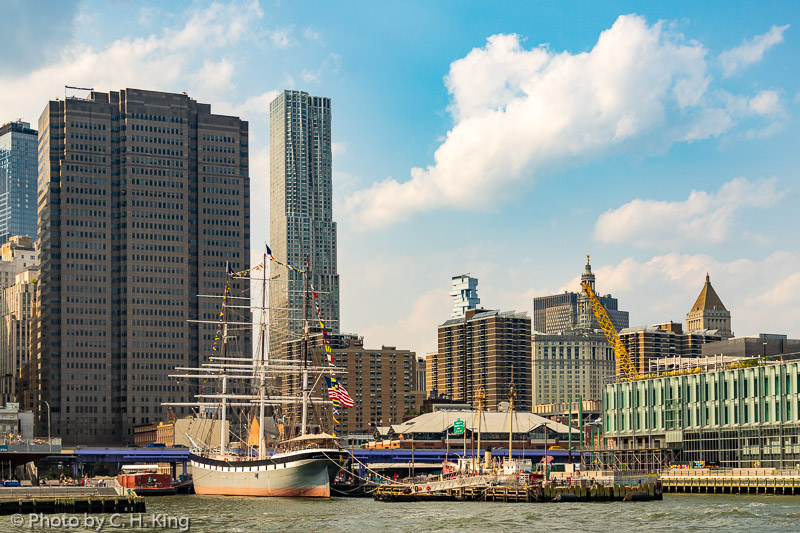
(49, 500)
(537, 493)
(733, 481)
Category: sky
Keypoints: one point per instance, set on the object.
(506, 140)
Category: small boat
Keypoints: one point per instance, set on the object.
(184, 484)
(146, 481)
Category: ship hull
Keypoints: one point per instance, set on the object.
(303, 474)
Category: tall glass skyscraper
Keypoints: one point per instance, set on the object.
(18, 173)
(301, 212)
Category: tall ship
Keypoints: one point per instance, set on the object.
(298, 458)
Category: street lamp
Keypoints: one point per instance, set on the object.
(49, 441)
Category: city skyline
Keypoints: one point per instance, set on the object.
(685, 167)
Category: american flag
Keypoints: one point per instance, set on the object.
(336, 391)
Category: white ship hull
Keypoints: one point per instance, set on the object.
(303, 473)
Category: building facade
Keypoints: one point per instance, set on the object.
(382, 382)
(574, 364)
(144, 199)
(736, 415)
(489, 350)
(762, 345)
(301, 212)
(18, 173)
(16, 255)
(17, 305)
(571, 310)
(708, 312)
(646, 344)
(464, 294)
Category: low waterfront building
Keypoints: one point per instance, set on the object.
(15, 425)
(741, 413)
(574, 364)
(441, 429)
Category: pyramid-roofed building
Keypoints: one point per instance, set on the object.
(708, 312)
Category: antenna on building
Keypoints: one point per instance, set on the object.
(76, 89)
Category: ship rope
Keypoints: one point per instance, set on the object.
(381, 476)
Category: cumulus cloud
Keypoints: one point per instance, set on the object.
(751, 51)
(193, 53)
(417, 331)
(518, 112)
(762, 295)
(704, 217)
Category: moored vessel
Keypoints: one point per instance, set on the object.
(301, 466)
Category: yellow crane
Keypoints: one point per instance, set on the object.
(624, 364)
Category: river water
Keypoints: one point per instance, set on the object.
(206, 514)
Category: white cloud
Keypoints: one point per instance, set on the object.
(331, 64)
(169, 61)
(417, 331)
(519, 112)
(705, 218)
(280, 37)
(311, 35)
(766, 103)
(736, 59)
(763, 296)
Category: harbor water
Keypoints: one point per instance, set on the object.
(677, 512)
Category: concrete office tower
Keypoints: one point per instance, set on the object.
(708, 312)
(144, 198)
(18, 173)
(465, 295)
(301, 213)
(571, 310)
(570, 365)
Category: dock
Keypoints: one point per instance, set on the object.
(537, 493)
(735, 481)
(54, 500)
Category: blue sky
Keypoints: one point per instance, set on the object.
(503, 139)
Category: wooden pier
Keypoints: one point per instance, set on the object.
(522, 494)
(50, 500)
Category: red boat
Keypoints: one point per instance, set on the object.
(146, 481)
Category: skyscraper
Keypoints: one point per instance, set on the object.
(571, 310)
(464, 294)
(301, 212)
(17, 180)
(144, 199)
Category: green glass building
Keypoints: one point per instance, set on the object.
(735, 414)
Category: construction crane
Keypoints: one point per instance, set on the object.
(625, 366)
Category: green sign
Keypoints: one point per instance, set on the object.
(458, 427)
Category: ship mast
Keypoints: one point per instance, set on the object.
(223, 399)
(304, 417)
(510, 421)
(262, 363)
